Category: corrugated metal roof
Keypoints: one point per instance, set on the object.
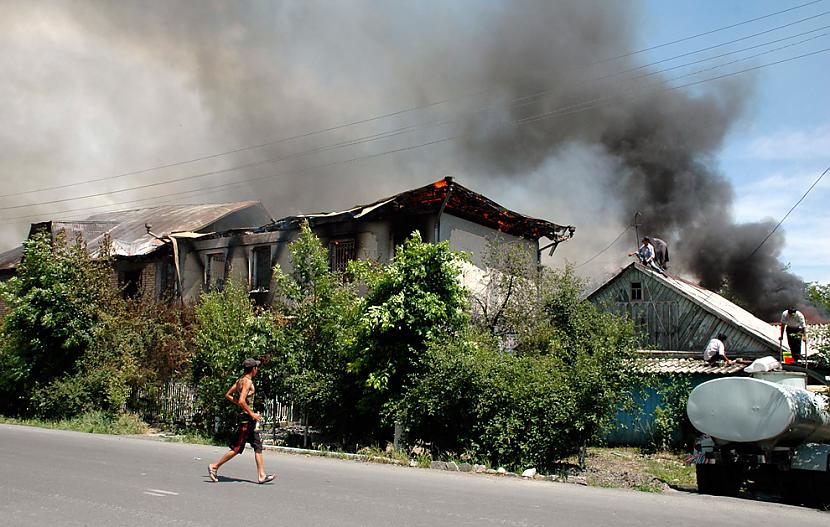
(127, 230)
(711, 302)
(723, 308)
(454, 198)
(130, 237)
(650, 363)
(10, 259)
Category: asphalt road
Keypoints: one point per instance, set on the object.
(52, 477)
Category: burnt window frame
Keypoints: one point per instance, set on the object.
(341, 252)
(258, 285)
(219, 283)
(130, 281)
(167, 286)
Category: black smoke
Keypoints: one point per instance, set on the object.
(534, 113)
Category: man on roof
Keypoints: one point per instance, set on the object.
(793, 322)
(647, 255)
(716, 351)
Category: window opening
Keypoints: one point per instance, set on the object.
(636, 291)
(261, 269)
(341, 252)
(215, 272)
(131, 283)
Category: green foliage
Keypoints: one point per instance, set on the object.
(671, 424)
(228, 329)
(819, 295)
(318, 338)
(55, 303)
(533, 407)
(505, 303)
(821, 342)
(94, 422)
(414, 299)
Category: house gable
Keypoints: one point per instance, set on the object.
(676, 315)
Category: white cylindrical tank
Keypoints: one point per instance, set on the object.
(746, 410)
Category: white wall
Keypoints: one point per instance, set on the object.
(473, 238)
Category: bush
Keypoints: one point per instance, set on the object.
(229, 329)
(55, 303)
(416, 298)
(529, 408)
(318, 338)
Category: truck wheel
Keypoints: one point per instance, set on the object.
(708, 479)
(732, 480)
(718, 479)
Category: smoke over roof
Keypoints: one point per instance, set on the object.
(102, 88)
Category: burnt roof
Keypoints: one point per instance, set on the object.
(454, 198)
(126, 229)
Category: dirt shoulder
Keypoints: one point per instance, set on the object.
(629, 468)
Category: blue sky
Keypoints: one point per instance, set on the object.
(782, 145)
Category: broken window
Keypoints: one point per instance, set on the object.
(261, 269)
(341, 252)
(636, 291)
(166, 279)
(215, 272)
(130, 282)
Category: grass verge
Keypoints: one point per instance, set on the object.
(92, 422)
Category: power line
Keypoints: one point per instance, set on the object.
(392, 133)
(602, 100)
(717, 30)
(569, 110)
(620, 235)
(410, 109)
(787, 214)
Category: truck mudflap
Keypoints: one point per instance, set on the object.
(811, 456)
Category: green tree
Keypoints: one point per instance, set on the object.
(322, 309)
(55, 303)
(415, 298)
(546, 400)
(229, 329)
(819, 295)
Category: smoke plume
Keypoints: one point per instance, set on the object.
(517, 100)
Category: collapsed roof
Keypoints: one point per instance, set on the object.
(128, 232)
(443, 195)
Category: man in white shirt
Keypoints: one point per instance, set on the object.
(646, 255)
(793, 322)
(716, 351)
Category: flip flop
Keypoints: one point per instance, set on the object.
(212, 474)
(269, 477)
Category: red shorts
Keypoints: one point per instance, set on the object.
(246, 432)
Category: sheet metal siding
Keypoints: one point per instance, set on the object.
(636, 427)
(673, 321)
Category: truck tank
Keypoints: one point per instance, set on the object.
(749, 410)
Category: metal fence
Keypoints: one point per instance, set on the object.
(175, 404)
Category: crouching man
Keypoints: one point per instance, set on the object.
(716, 351)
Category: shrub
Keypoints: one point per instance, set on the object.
(529, 408)
(228, 329)
(414, 299)
(55, 303)
(318, 337)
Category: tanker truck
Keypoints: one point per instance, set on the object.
(767, 430)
